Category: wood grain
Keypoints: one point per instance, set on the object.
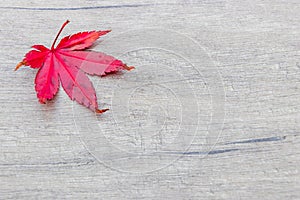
(211, 111)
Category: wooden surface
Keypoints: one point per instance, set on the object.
(211, 112)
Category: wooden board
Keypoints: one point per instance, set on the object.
(211, 111)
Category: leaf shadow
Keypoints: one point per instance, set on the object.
(114, 75)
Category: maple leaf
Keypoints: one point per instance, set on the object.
(67, 64)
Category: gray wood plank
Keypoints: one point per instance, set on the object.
(211, 111)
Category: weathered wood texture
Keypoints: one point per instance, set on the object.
(211, 112)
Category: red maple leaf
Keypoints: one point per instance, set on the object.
(67, 63)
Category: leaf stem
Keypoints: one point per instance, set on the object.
(62, 27)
